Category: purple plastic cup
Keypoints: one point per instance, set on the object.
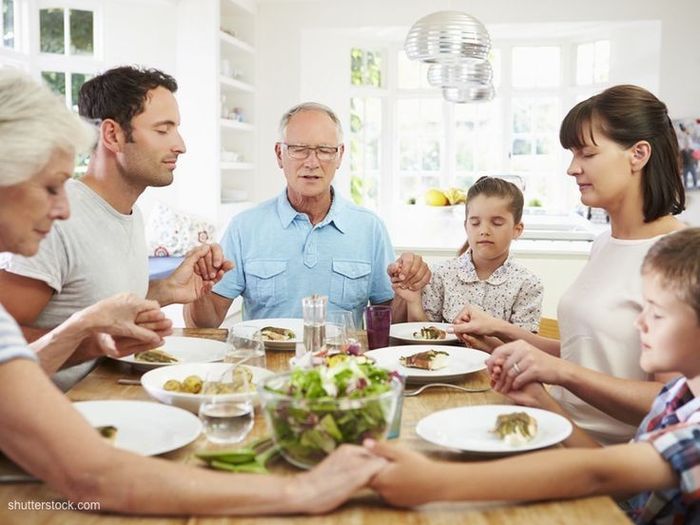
(377, 321)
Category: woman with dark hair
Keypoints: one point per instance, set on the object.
(626, 161)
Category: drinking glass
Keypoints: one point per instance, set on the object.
(245, 345)
(377, 322)
(227, 412)
(340, 330)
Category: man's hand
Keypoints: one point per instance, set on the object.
(153, 320)
(473, 321)
(203, 267)
(409, 271)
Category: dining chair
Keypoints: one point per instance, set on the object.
(549, 328)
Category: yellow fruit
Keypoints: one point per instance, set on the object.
(434, 197)
(454, 196)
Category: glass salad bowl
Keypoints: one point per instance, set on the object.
(311, 412)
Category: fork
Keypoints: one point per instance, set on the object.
(417, 391)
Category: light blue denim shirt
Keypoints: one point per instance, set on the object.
(281, 257)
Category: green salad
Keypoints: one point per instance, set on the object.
(312, 411)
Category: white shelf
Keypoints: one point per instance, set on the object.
(237, 166)
(247, 5)
(236, 42)
(236, 124)
(236, 84)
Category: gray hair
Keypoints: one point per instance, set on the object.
(310, 106)
(34, 122)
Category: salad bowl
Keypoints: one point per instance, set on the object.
(311, 412)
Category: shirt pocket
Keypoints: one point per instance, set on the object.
(350, 284)
(266, 281)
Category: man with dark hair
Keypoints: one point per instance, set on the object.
(101, 249)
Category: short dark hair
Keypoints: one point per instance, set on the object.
(675, 258)
(120, 94)
(628, 114)
(495, 187)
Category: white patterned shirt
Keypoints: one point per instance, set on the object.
(512, 292)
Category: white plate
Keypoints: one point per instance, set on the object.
(404, 332)
(295, 325)
(143, 427)
(469, 428)
(461, 361)
(187, 350)
(154, 380)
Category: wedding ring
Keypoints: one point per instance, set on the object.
(516, 368)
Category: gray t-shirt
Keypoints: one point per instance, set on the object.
(12, 344)
(96, 253)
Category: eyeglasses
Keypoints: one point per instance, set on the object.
(301, 152)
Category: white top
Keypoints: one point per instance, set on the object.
(596, 325)
(96, 253)
(512, 292)
(12, 344)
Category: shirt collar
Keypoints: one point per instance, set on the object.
(467, 271)
(336, 214)
(683, 399)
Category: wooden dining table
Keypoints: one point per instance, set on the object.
(365, 508)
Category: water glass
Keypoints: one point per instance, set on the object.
(377, 323)
(227, 412)
(395, 427)
(245, 345)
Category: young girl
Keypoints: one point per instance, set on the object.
(483, 274)
(661, 465)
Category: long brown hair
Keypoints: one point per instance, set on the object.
(495, 187)
(628, 114)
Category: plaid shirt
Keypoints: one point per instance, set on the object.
(673, 428)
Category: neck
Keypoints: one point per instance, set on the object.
(106, 178)
(316, 207)
(485, 267)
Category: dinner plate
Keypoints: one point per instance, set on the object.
(186, 349)
(154, 380)
(469, 429)
(405, 331)
(461, 361)
(143, 427)
(295, 325)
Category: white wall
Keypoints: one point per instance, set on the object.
(142, 32)
(287, 28)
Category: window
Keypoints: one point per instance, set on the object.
(67, 50)
(7, 24)
(366, 68)
(592, 63)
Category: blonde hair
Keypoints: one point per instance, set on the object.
(34, 122)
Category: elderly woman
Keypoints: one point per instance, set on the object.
(39, 138)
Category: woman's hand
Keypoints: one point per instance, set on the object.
(334, 480)
(514, 365)
(407, 479)
(124, 324)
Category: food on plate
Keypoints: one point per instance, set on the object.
(430, 332)
(312, 411)
(157, 355)
(516, 428)
(108, 432)
(194, 384)
(273, 333)
(428, 360)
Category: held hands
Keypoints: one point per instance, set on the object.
(516, 364)
(409, 271)
(475, 328)
(124, 324)
(203, 267)
(335, 479)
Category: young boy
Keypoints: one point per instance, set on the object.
(661, 465)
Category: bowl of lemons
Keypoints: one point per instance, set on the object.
(444, 199)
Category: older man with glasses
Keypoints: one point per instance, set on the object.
(309, 239)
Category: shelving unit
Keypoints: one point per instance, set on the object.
(217, 76)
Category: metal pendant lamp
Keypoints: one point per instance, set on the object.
(457, 45)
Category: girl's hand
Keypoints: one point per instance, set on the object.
(408, 295)
(472, 320)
